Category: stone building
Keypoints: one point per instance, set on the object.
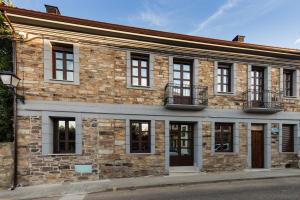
(108, 101)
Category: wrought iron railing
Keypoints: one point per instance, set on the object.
(268, 99)
(185, 94)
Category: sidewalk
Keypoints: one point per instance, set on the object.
(52, 190)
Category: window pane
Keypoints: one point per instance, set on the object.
(219, 88)
(176, 67)
(70, 56)
(176, 74)
(71, 147)
(61, 129)
(225, 71)
(58, 55)
(59, 75)
(144, 72)
(70, 65)
(186, 67)
(219, 79)
(72, 128)
(135, 63)
(186, 75)
(225, 79)
(186, 92)
(219, 71)
(145, 126)
(186, 83)
(59, 64)
(177, 82)
(135, 71)
(143, 63)
(135, 81)
(62, 147)
(144, 82)
(70, 76)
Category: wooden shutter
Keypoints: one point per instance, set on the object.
(287, 138)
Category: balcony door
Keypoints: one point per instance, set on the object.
(181, 144)
(257, 87)
(182, 79)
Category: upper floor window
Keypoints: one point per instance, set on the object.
(288, 83)
(140, 70)
(223, 137)
(63, 62)
(140, 141)
(64, 135)
(224, 78)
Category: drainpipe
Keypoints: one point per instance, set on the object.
(15, 127)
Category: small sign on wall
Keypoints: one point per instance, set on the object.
(275, 131)
(83, 169)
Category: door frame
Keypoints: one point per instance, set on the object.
(198, 159)
(267, 144)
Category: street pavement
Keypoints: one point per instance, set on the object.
(272, 189)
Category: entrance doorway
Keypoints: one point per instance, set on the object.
(181, 144)
(257, 138)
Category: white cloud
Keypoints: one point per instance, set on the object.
(151, 16)
(297, 41)
(219, 13)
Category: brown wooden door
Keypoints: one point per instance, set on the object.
(182, 79)
(181, 144)
(257, 149)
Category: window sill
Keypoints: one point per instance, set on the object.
(289, 153)
(225, 94)
(141, 154)
(140, 87)
(291, 97)
(61, 82)
(62, 154)
(225, 153)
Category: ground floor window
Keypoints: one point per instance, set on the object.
(64, 135)
(287, 138)
(140, 141)
(223, 137)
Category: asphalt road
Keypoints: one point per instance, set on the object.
(279, 189)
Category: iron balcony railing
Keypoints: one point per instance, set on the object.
(255, 100)
(185, 95)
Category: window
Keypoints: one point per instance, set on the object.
(63, 62)
(224, 78)
(140, 141)
(140, 70)
(288, 83)
(64, 135)
(287, 138)
(223, 137)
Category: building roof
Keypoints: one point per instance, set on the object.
(144, 33)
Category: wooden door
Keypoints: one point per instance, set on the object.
(257, 87)
(257, 149)
(182, 79)
(181, 144)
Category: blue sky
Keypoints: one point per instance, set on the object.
(270, 22)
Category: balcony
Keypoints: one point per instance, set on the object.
(185, 97)
(265, 101)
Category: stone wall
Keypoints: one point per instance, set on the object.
(6, 164)
(103, 79)
(224, 161)
(103, 148)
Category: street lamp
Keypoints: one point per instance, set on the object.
(9, 79)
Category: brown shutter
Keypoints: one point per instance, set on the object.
(287, 138)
